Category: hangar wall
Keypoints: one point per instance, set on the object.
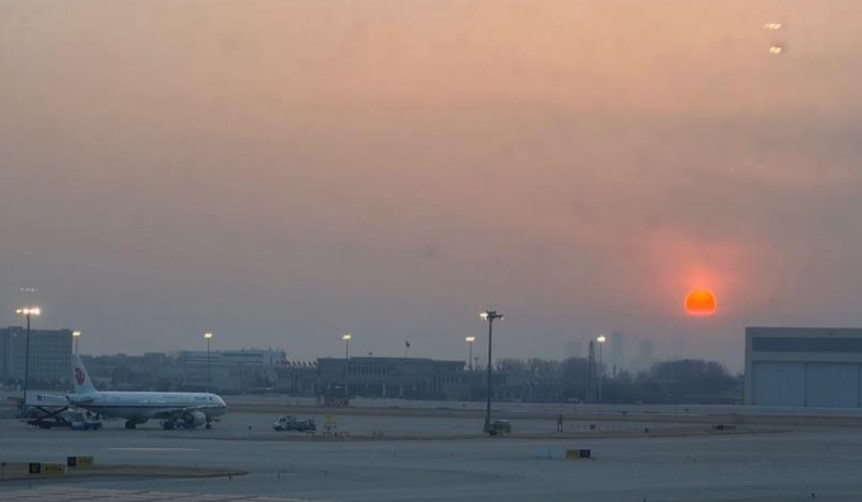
(803, 367)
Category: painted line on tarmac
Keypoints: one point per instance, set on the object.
(147, 448)
(62, 494)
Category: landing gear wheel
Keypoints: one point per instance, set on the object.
(130, 424)
(208, 426)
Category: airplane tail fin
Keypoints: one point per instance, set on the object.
(80, 377)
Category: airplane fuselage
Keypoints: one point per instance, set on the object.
(188, 409)
(141, 406)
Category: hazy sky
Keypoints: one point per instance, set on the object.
(281, 172)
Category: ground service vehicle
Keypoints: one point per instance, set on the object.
(290, 423)
(499, 427)
(75, 420)
(80, 422)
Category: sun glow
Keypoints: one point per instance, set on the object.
(700, 302)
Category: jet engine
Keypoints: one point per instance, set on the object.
(196, 419)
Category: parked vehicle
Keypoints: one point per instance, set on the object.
(290, 423)
(75, 420)
(499, 427)
(81, 422)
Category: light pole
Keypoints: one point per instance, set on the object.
(601, 339)
(490, 316)
(470, 340)
(28, 312)
(346, 339)
(76, 335)
(208, 336)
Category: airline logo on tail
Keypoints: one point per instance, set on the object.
(80, 376)
(80, 379)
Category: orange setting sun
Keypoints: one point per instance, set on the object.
(700, 302)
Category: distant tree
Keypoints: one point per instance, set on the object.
(575, 378)
(683, 381)
(622, 388)
(574, 369)
(544, 371)
(688, 380)
(511, 366)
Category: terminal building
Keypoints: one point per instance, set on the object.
(226, 371)
(803, 367)
(242, 357)
(244, 371)
(394, 377)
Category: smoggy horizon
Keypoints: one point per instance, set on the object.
(281, 173)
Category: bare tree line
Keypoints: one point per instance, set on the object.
(574, 379)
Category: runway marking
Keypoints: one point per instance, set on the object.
(65, 493)
(148, 448)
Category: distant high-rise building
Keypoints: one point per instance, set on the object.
(50, 356)
(617, 352)
(574, 348)
(647, 356)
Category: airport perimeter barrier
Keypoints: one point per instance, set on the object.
(577, 453)
(47, 469)
(80, 462)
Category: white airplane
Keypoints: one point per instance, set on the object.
(189, 409)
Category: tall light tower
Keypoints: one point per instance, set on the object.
(601, 339)
(593, 391)
(28, 312)
(208, 336)
(470, 340)
(346, 339)
(490, 316)
(75, 336)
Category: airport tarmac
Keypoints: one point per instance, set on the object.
(450, 461)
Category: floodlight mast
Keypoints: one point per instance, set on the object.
(490, 316)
